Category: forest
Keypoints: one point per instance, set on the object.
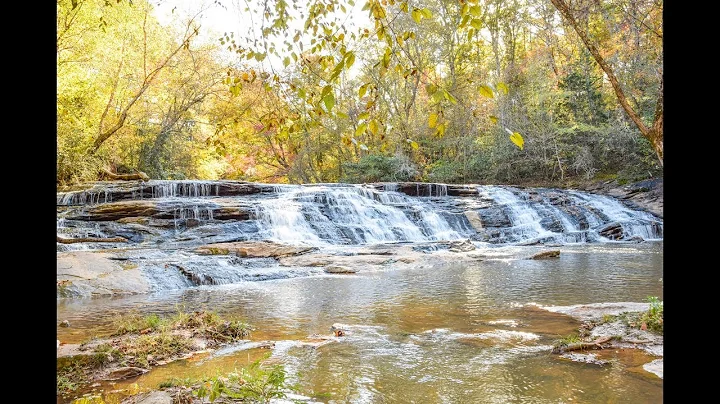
(447, 91)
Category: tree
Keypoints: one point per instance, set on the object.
(653, 132)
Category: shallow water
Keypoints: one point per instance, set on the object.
(463, 333)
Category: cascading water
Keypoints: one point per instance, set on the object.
(350, 215)
(345, 214)
(547, 215)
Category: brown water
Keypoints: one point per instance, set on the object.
(462, 333)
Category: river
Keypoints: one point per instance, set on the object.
(465, 332)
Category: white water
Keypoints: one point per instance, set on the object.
(525, 220)
(592, 213)
(346, 214)
(350, 214)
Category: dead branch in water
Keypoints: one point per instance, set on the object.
(597, 344)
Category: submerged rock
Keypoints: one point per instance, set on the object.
(339, 269)
(545, 254)
(125, 373)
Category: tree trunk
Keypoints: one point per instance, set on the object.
(654, 134)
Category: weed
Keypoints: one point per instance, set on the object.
(254, 384)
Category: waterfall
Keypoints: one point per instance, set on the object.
(349, 214)
(524, 219)
(164, 189)
(547, 215)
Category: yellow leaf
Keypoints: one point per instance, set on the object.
(360, 129)
(349, 59)
(486, 91)
(362, 90)
(440, 130)
(494, 119)
(432, 120)
(373, 126)
(517, 139)
(416, 15)
(502, 87)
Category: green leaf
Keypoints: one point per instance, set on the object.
(426, 13)
(517, 139)
(360, 129)
(476, 23)
(329, 101)
(341, 115)
(364, 115)
(301, 93)
(432, 120)
(286, 61)
(260, 57)
(502, 87)
(486, 91)
(326, 90)
(475, 11)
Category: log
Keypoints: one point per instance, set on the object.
(126, 177)
(63, 240)
(597, 344)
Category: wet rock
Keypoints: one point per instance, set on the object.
(655, 367)
(253, 249)
(97, 273)
(545, 254)
(474, 218)
(117, 210)
(461, 246)
(153, 397)
(613, 231)
(125, 373)
(585, 358)
(339, 269)
(322, 260)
